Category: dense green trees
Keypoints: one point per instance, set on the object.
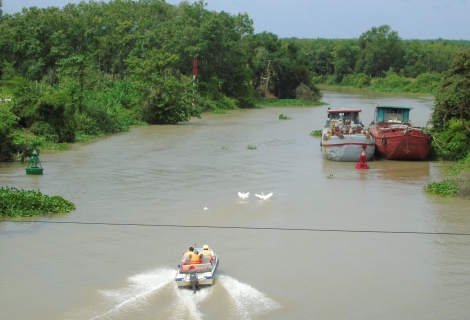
(374, 54)
(381, 49)
(451, 114)
(99, 67)
(453, 98)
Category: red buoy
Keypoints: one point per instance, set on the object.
(362, 163)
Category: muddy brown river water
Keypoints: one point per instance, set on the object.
(168, 174)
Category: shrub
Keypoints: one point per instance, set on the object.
(304, 92)
(391, 83)
(7, 127)
(360, 80)
(425, 83)
(454, 142)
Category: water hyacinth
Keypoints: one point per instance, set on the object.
(446, 188)
(250, 147)
(28, 203)
(316, 133)
(283, 117)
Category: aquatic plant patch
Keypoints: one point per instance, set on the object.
(27, 203)
(316, 133)
(283, 117)
(250, 147)
(446, 188)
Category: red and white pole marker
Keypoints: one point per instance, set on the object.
(193, 102)
(362, 163)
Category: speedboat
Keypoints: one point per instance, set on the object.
(194, 275)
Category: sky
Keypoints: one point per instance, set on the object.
(341, 19)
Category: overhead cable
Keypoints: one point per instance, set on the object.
(241, 227)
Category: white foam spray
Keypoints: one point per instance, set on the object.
(188, 303)
(141, 287)
(248, 301)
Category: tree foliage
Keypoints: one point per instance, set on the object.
(453, 98)
(381, 50)
(99, 67)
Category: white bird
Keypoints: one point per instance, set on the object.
(243, 195)
(263, 196)
(205, 208)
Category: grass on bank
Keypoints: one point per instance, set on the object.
(426, 83)
(287, 103)
(457, 182)
(28, 203)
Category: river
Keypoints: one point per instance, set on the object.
(168, 174)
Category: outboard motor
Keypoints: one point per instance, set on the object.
(193, 280)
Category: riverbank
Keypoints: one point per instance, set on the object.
(288, 103)
(19, 142)
(426, 83)
(455, 183)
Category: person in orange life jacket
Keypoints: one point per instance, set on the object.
(207, 252)
(195, 257)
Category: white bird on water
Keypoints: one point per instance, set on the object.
(263, 196)
(243, 195)
(205, 208)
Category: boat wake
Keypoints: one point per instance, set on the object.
(187, 304)
(155, 293)
(248, 301)
(135, 296)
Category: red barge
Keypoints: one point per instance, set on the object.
(395, 138)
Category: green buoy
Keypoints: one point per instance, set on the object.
(34, 165)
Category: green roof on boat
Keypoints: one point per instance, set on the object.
(394, 107)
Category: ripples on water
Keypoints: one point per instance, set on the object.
(167, 174)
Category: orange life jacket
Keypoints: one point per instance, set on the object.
(195, 259)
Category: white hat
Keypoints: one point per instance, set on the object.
(205, 246)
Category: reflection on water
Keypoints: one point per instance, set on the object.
(403, 172)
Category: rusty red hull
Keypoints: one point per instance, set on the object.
(401, 144)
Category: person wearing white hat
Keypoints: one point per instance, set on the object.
(206, 251)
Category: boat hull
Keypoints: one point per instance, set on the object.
(411, 144)
(348, 148)
(34, 170)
